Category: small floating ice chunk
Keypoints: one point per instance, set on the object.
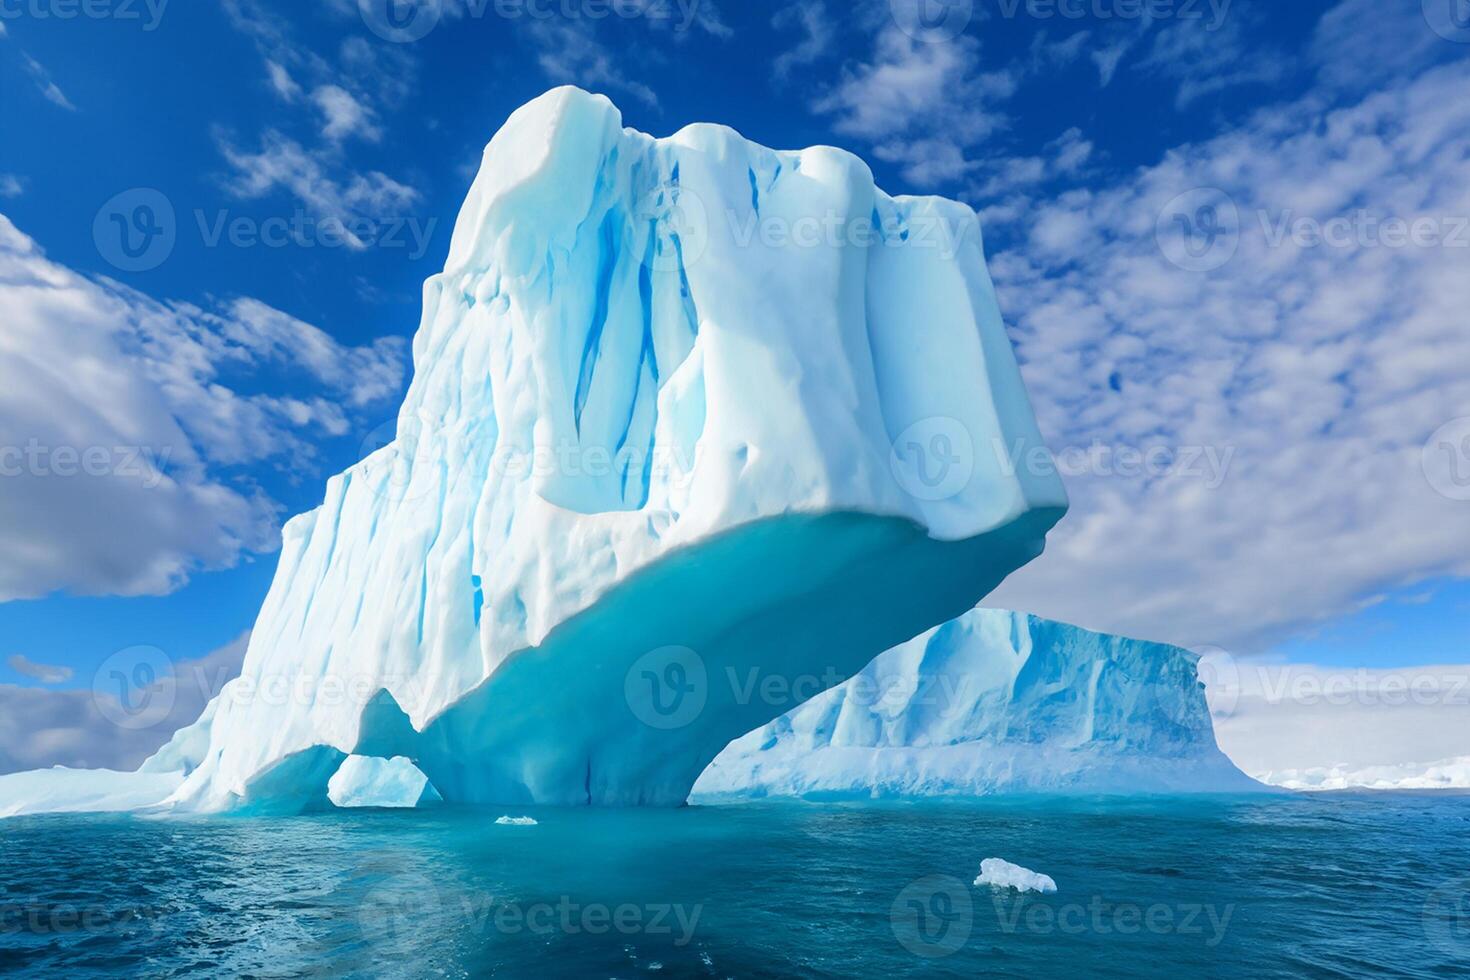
(1003, 874)
(516, 822)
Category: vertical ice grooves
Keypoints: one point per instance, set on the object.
(607, 259)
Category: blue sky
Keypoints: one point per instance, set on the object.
(1290, 387)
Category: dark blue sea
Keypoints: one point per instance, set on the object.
(1314, 886)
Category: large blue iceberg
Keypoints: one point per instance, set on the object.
(681, 407)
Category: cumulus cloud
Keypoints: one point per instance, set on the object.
(343, 115)
(1286, 382)
(115, 426)
(922, 104)
(282, 163)
(343, 97)
(79, 729)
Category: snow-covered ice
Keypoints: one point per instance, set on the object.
(508, 821)
(1003, 874)
(62, 790)
(1441, 774)
(992, 702)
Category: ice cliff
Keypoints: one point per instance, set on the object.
(679, 405)
(992, 702)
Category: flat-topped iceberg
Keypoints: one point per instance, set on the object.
(679, 406)
(992, 702)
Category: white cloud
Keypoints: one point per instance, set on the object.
(1202, 61)
(570, 52)
(1316, 373)
(114, 424)
(283, 163)
(47, 87)
(281, 82)
(817, 36)
(11, 186)
(347, 97)
(45, 673)
(44, 728)
(344, 115)
(923, 104)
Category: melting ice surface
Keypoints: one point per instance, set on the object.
(642, 446)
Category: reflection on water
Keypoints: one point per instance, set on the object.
(1346, 885)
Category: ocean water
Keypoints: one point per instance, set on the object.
(1331, 886)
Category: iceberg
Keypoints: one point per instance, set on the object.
(679, 406)
(992, 702)
(388, 783)
(1003, 874)
(62, 790)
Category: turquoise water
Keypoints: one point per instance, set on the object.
(1346, 885)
